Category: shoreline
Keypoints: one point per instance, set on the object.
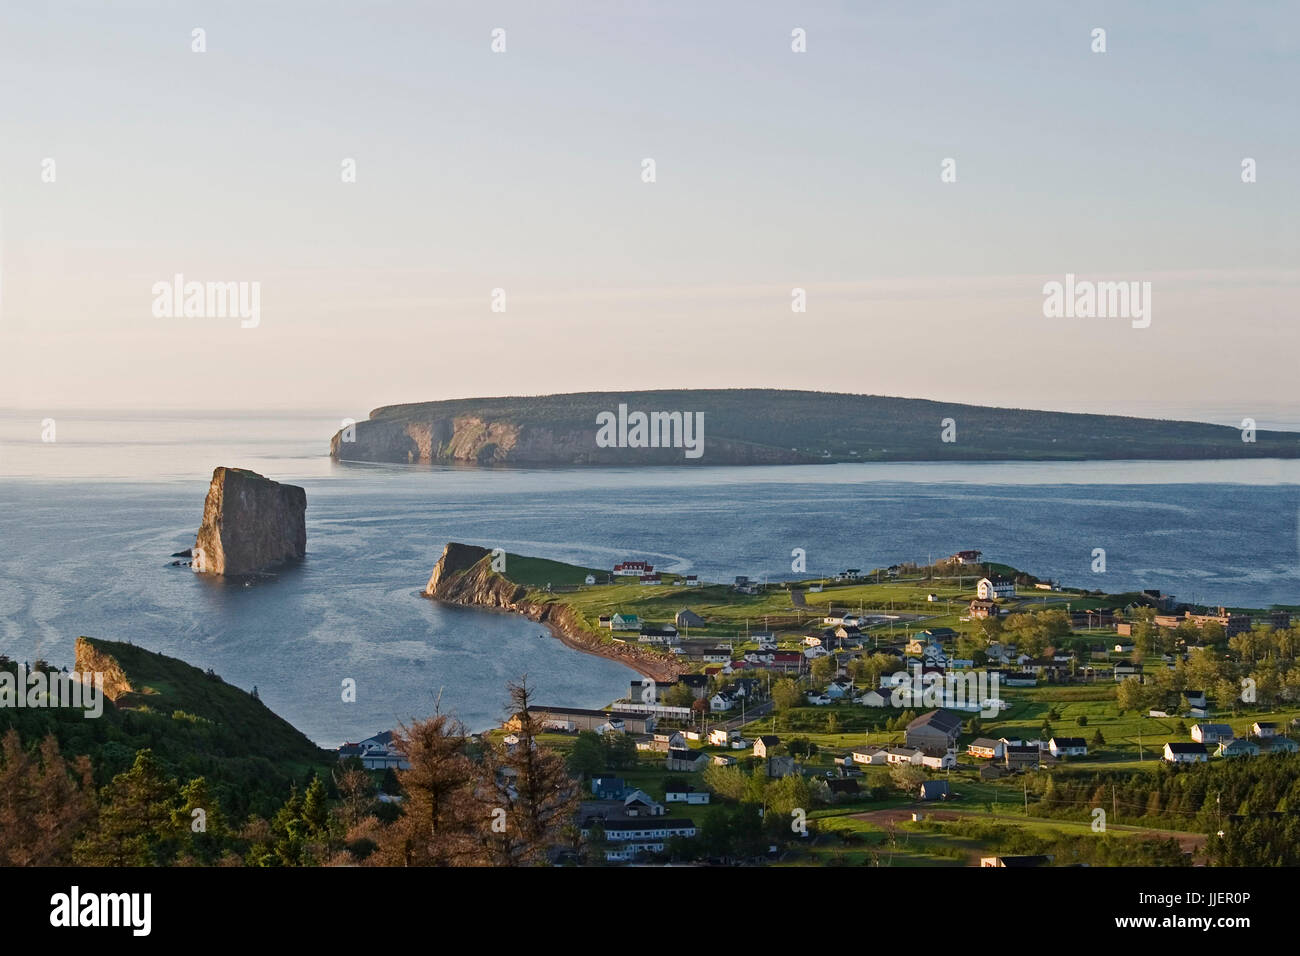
(646, 668)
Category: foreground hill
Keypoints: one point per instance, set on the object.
(195, 723)
(773, 426)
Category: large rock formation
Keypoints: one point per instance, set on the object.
(249, 523)
(769, 427)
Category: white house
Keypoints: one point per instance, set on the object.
(1067, 747)
(377, 753)
(817, 700)
(874, 698)
(688, 795)
(624, 622)
(992, 589)
(1212, 733)
(721, 738)
(869, 755)
(935, 761)
(631, 838)
(1186, 753)
(1264, 729)
(722, 702)
(985, 748)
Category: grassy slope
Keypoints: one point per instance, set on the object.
(196, 724)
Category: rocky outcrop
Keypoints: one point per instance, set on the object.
(464, 576)
(91, 660)
(249, 523)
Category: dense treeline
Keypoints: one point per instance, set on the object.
(1197, 797)
(463, 802)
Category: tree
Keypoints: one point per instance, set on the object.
(620, 751)
(200, 822)
(135, 818)
(824, 669)
(588, 757)
(45, 802)
(800, 747)
(1128, 696)
(356, 793)
(531, 784)
(1082, 720)
(1097, 740)
(906, 776)
(786, 694)
(441, 818)
(679, 695)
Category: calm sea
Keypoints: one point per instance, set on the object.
(88, 521)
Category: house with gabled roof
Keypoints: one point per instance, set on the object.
(937, 730)
(1241, 747)
(935, 790)
(985, 748)
(1177, 752)
(1068, 747)
(638, 803)
(1212, 733)
(765, 744)
(691, 761)
(993, 589)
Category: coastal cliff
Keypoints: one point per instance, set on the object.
(249, 523)
(464, 576)
(770, 427)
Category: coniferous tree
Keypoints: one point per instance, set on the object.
(533, 796)
(45, 802)
(135, 824)
(442, 815)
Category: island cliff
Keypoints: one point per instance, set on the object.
(464, 576)
(249, 523)
(770, 427)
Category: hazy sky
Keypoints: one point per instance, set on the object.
(522, 170)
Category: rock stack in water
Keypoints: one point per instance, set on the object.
(249, 523)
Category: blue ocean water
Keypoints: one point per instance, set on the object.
(87, 524)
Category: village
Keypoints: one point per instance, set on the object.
(873, 711)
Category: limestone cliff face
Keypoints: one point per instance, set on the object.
(464, 575)
(477, 440)
(249, 523)
(91, 660)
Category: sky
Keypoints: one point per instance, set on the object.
(523, 171)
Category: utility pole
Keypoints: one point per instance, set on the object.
(1114, 805)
